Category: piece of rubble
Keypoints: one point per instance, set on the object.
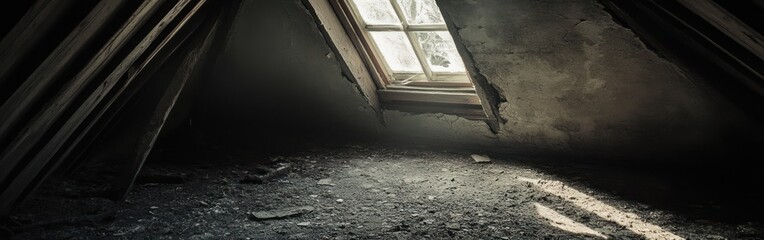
(271, 174)
(325, 182)
(453, 226)
(279, 213)
(304, 224)
(481, 158)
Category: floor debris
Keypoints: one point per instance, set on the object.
(271, 174)
(453, 226)
(377, 203)
(325, 182)
(481, 158)
(280, 213)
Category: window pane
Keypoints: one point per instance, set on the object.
(397, 51)
(421, 12)
(377, 12)
(441, 53)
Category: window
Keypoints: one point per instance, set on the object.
(408, 51)
(412, 40)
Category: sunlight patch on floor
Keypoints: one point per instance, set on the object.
(628, 220)
(564, 223)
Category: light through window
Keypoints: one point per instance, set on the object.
(412, 41)
(402, 54)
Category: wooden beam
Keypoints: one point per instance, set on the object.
(357, 35)
(34, 132)
(187, 70)
(30, 176)
(341, 43)
(753, 84)
(31, 91)
(472, 112)
(728, 24)
(28, 32)
(429, 96)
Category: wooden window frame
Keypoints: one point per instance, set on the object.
(350, 17)
(345, 35)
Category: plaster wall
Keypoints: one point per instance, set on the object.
(575, 83)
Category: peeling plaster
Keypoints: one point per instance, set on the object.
(574, 81)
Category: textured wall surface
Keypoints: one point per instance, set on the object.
(575, 82)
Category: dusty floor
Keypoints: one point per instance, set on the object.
(362, 193)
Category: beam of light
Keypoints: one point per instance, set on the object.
(562, 222)
(628, 220)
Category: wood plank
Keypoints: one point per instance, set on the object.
(28, 32)
(31, 91)
(25, 180)
(348, 54)
(728, 24)
(472, 112)
(437, 89)
(428, 96)
(753, 84)
(34, 132)
(187, 70)
(74, 154)
(344, 13)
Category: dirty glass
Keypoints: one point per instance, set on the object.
(376, 12)
(440, 51)
(397, 51)
(421, 12)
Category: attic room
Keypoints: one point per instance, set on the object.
(381, 119)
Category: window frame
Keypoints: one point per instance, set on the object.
(387, 78)
(476, 99)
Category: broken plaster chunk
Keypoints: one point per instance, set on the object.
(280, 213)
(326, 182)
(453, 226)
(481, 158)
(414, 180)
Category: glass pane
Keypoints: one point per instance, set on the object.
(376, 12)
(440, 51)
(421, 12)
(397, 51)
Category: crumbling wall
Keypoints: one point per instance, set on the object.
(575, 82)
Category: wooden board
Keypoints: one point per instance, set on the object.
(429, 96)
(20, 103)
(39, 165)
(728, 24)
(43, 121)
(153, 126)
(340, 41)
(28, 32)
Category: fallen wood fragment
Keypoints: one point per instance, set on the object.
(275, 173)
